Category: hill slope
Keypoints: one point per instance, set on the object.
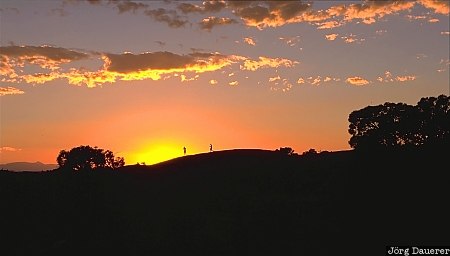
(231, 202)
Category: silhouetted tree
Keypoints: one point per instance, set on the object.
(393, 125)
(310, 152)
(88, 158)
(286, 151)
(434, 119)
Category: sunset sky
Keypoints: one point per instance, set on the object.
(144, 79)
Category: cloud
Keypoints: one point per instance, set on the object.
(352, 39)
(275, 78)
(47, 57)
(291, 41)
(210, 22)
(265, 62)
(161, 43)
(317, 80)
(445, 33)
(125, 66)
(129, 6)
(270, 13)
(206, 7)
(369, 11)
(249, 41)
(167, 16)
(213, 82)
(388, 77)
(433, 20)
(405, 78)
(10, 91)
(415, 17)
(9, 149)
(438, 6)
(331, 37)
(328, 24)
(234, 83)
(184, 78)
(357, 80)
(380, 32)
(263, 14)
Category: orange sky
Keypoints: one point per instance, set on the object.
(144, 79)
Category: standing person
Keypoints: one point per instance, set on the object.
(210, 148)
(184, 150)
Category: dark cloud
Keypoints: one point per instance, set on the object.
(48, 52)
(127, 62)
(210, 22)
(206, 7)
(269, 13)
(160, 43)
(129, 6)
(167, 16)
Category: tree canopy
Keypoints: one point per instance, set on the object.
(86, 158)
(393, 125)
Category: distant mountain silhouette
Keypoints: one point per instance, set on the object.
(27, 166)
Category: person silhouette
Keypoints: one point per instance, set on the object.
(210, 148)
(184, 150)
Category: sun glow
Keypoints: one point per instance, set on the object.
(156, 153)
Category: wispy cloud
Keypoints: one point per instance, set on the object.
(389, 78)
(405, 78)
(317, 80)
(331, 37)
(265, 62)
(129, 6)
(213, 82)
(249, 41)
(210, 22)
(357, 80)
(9, 149)
(206, 7)
(328, 24)
(275, 78)
(445, 33)
(170, 17)
(10, 91)
(352, 39)
(234, 83)
(291, 41)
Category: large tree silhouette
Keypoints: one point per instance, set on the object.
(86, 158)
(394, 125)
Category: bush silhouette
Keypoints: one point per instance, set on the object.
(286, 151)
(310, 152)
(86, 158)
(394, 125)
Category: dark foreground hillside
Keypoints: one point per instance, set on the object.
(232, 202)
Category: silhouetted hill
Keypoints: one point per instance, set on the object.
(26, 166)
(236, 202)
